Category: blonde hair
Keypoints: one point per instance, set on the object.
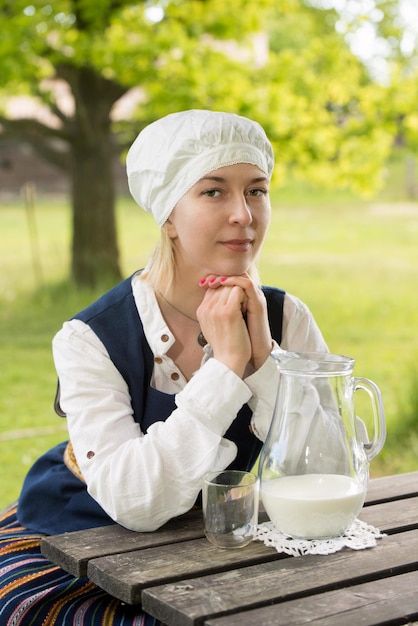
(162, 265)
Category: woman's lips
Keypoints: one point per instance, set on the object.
(238, 245)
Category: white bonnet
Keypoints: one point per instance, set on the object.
(172, 154)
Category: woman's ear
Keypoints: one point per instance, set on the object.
(170, 229)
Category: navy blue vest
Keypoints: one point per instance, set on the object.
(53, 500)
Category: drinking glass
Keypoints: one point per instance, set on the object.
(230, 507)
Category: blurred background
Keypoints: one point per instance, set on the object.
(335, 85)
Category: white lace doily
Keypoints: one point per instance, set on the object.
(359, 536)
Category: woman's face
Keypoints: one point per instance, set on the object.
(219, 226)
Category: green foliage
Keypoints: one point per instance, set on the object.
(312, 94)
(324, 128)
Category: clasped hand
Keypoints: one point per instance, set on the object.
(233, 319)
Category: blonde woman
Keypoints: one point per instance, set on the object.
(168, 375)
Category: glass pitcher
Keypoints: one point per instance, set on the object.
(314, 465)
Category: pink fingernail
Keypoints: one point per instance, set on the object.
(223, 279)
(212, 280)
(202, 281)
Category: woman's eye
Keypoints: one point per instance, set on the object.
(211, 193)
(258, 192)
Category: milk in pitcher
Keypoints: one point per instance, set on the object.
(313, 505)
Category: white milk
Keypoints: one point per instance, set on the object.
(312, 505)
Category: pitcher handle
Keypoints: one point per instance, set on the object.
(373, 447)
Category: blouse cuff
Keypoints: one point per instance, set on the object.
(263, 384)
(260, 380)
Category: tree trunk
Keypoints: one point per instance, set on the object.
(95, 255)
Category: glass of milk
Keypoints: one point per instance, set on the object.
(230, 507)
(314, 465)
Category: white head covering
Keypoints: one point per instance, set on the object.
(172, 154)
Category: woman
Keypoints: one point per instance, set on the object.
(168, 375)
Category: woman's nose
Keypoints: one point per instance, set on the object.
(240, 211)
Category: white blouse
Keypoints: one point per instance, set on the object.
(143, 480)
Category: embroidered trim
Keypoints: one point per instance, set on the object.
(71, 462)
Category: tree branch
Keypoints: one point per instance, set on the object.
(23, 125)
(92, 93)
(47, 98)
(42, 138)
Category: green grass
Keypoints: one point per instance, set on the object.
(353, 262)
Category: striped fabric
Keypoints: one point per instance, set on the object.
(34, 592)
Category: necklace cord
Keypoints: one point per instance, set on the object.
(200, 338)
(189, 317)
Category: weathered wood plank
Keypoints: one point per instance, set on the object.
(72, 551)
(392, 516)
(390, 600)
(125, 575)
(392, 487)
(191, 601)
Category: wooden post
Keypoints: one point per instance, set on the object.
(29, 193)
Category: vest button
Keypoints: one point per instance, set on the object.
(90, 454)
(158, 359)
(165, 338)
(175, 376)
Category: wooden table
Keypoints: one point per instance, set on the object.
(182, 579)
